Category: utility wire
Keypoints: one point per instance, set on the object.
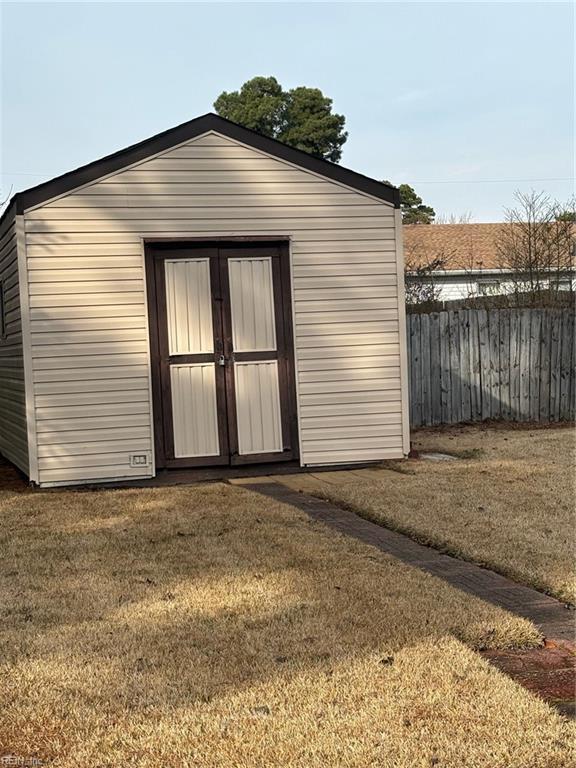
(491, 181)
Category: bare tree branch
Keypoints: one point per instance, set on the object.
(5, 201)
(419, 266)
(536, 245)
(463, 218)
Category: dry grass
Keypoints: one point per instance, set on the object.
(210, 627)
(509, 503)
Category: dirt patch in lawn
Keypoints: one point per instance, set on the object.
(210, 626)
(508, 503)
(550, 672)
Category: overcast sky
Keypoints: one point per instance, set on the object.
(465, 101)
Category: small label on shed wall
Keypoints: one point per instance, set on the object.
(139, 460)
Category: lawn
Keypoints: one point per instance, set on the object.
(208, 626)
(508, 503)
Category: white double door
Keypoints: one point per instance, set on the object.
(225, 376)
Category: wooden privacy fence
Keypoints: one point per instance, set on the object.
(477, 364)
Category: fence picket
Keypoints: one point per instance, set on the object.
(454, 357)
(413, 422)
(566, 365)
(535, 328)
(504, 365)
(484, 350)
(524, 411)
(476, 384)
(426, 410)
(435, 368)
(544, 383)
(416, 380)
(572, 373)
(515, 365)
(445, 372)
(555, 350)
(494, 362)
(465, 368)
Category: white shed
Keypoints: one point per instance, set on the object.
(206, 297)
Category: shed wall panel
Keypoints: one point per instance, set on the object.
(13, 427)
(87, 296)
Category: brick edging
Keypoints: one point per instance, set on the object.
(552, 617)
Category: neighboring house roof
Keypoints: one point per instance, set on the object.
(458, 246)
(469, 247)
(185, 132)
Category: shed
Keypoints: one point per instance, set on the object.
(208, 296)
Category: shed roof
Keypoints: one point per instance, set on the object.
(86, 174)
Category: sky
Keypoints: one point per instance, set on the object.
(465, 101)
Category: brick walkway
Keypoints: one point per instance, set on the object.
(548, 671)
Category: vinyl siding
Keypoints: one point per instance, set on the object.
(89, 316)
(13, 429)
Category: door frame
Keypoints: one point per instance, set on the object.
(227, 423)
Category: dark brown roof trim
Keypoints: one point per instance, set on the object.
(190, 130)
(8, 217)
